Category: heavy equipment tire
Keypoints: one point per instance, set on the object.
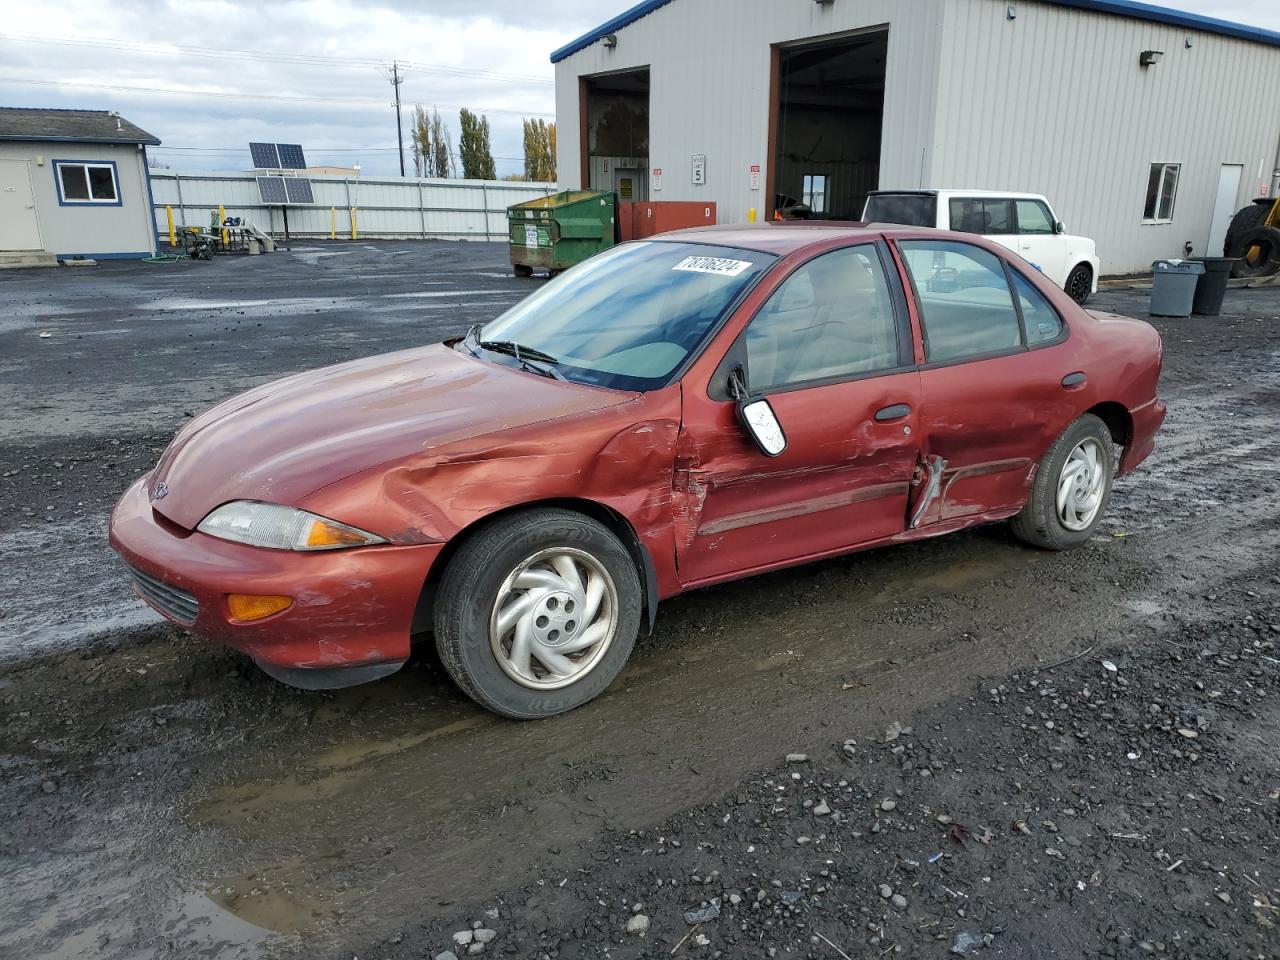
(523, 270)
(1245, 219)
(1267, 259)
(1072, 487)
(538, 612)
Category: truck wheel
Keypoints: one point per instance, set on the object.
(523, 270)
(1080, 283)
(537, 613)
(1071, 488)
(1259, 254)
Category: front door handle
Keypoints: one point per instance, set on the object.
(893, 412)
(1076, 379)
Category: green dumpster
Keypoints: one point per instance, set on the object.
(553, 233)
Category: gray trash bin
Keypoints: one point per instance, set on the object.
(1173, 287)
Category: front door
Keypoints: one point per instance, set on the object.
(830, 350)
(1039, 242)
(630, 184)
(1224, 208)
(19, 229)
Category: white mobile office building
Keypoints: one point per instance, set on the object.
(1146, 127)
(73, 183)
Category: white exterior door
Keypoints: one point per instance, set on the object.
(19, 229)
(1224, 207)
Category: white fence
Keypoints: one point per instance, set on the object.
(374, 207)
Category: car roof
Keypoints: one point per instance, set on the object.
(958, 192)
(779, 238)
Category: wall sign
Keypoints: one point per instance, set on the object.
(657, 179)
(699, 168)
(755, 176)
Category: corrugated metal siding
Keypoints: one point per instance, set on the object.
(392, 207)
(1055, 102)
(709, 66)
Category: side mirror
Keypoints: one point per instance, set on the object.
(762, 424)
(1059, 227)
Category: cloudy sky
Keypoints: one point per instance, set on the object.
(207, 76)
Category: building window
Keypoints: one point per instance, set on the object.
(1162, 187)
(815, 194)
(94, 183)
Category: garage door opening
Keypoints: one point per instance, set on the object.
(615, 133)
(828, 112)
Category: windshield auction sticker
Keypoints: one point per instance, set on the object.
(717, 265)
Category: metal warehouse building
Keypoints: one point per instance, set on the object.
(73, 183)
(1146, 128)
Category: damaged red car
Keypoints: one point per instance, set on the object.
(702, 406)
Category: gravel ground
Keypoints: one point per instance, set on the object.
(168, 801)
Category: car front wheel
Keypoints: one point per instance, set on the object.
(1080, 283)
(1071, 488)
(537, 613)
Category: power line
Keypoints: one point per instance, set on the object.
(169, 91)
(149, 46)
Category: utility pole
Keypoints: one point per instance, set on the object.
(396, 80)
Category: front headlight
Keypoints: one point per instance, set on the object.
(277, 527)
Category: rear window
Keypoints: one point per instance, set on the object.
(910, 209)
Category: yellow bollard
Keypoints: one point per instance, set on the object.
(173, 237)
(222, 217)
(333, 223)
(353, 223)
(751, 215)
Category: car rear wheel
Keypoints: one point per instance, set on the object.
(1071, 488)
(1080, 283)
(537, 613)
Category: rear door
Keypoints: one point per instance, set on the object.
(831, 350)
(992, 394)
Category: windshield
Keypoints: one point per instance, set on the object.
(911, 209)
(627, 318)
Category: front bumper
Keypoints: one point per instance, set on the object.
(351, 608)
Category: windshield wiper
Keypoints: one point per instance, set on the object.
(530, 358)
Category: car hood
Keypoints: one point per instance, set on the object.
(284, 440)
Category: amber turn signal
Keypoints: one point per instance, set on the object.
(255, 606)
(325, 533)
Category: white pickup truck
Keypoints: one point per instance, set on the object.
(1023, 222)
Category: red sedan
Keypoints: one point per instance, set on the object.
(676, 412)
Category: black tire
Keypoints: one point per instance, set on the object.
(469, 590)
(523, 270)
(1259, 254)
(1079, 283)
(1245, 219)
(1039, 524)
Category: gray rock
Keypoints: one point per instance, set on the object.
(899, 901)
(887, 805)
(485, 935)
(822, 809)
(475, 949)
(638, 924)
(886, 891)
(446, 955)
(797, 757)
(463, 937)
(1224, 896)
(49, 787)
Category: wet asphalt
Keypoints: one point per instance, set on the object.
(169, 801)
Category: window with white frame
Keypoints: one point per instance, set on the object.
(1162, 187)
(87, 182)
(815, 193)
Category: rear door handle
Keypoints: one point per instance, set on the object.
(893, 412)
(1076, 379)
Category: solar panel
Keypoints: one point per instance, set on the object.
(291, 156)
(298, 190)
(265, 156)
(272, 190)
